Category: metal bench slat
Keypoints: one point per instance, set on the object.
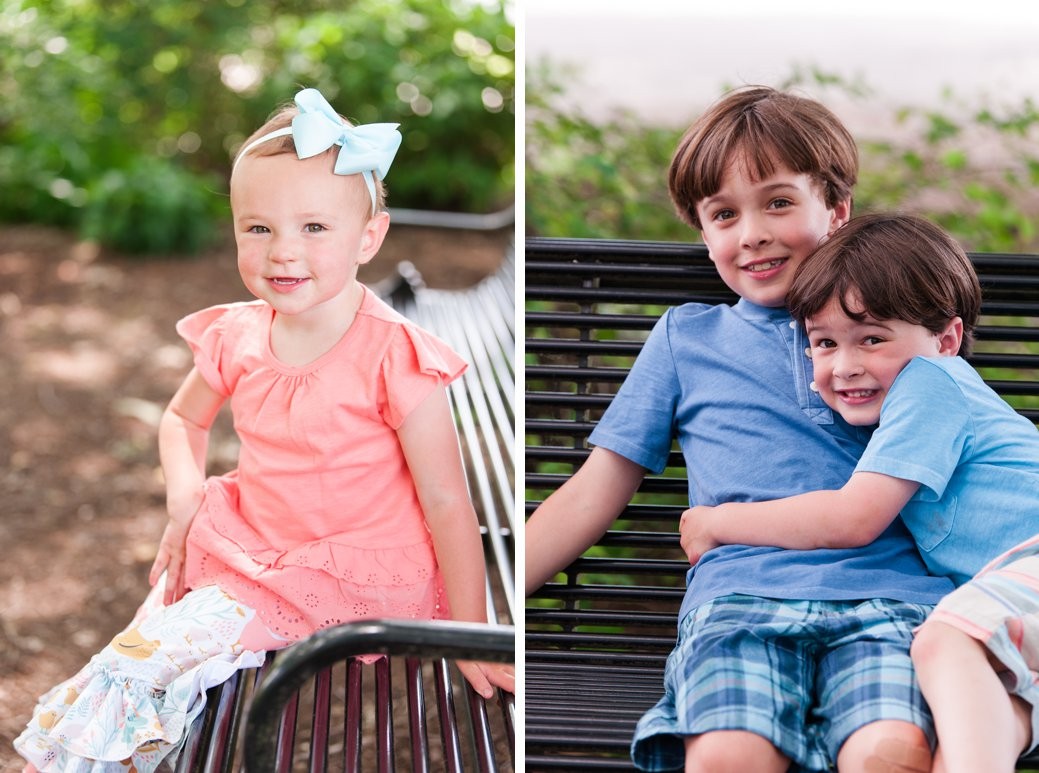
(579, 295)
(320, 720)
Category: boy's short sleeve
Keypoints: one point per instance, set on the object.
(415, 363)
(639, 422)
(925, 425)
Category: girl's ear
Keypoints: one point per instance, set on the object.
(949, 340)
(372, 235)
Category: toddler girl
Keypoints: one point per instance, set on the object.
(349, 500)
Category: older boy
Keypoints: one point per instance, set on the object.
(783, 656)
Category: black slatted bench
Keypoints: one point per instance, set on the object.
(313, 706)
(597, 636)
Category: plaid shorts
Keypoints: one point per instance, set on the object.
(803, 674)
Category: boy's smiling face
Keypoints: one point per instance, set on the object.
(855, 361)
(758, 231)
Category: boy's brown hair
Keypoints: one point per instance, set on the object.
(766, 128)
(891, 266)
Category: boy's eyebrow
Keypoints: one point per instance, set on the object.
(769, 188)
(867, 321)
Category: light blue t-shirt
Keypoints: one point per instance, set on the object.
(732, 384)
(975, 458)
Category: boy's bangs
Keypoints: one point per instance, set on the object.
(753, 152)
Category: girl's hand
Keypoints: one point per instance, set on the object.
(484, 677)
(694, 526)
(172, 551)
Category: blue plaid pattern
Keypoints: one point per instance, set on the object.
(803, 674)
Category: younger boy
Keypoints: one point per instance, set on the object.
(783, 656)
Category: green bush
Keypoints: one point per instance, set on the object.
(89, 88)
(153, 207)
(608, 178)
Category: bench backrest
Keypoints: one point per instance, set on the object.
(585, 325)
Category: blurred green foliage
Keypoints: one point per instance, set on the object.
(974, 170)
(119, 117)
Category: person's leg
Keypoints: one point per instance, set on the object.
(732, 751)
(737, 687)
(875, 718)
(137, 696)
(886, 746)
(979, 726)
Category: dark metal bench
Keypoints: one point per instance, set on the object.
(597, 636)
(315, 707)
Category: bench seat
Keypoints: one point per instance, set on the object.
(597, 636)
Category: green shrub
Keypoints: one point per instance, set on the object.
(607, 178)
(88, 88)
(154, 207)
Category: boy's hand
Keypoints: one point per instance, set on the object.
(483, 677)
(694, 527)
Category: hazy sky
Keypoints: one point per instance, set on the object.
(668, 58)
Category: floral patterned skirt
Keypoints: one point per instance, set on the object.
(129, 707)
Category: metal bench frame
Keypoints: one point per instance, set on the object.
(597, 636)
(314, 706)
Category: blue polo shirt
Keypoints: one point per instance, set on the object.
(732, 385)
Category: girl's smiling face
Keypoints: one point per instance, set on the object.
(302, 232)
(856, 361)
(758, 231)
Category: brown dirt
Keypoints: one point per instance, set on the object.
(90, 358)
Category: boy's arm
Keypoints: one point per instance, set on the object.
(430, 444)
(183, 441)
(852, 516)
(577, 514)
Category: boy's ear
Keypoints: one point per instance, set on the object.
(372, 235)
(840, 214)
(949, 340)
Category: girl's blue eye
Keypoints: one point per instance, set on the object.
(258, 229)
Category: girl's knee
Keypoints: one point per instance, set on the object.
(722, 751)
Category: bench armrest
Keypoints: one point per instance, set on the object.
(299, 662)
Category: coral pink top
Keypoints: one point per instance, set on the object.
(321, 522)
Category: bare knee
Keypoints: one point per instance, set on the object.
(732, 751)
(928, 642)
(889, 746)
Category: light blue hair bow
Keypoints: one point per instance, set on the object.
(366, 150)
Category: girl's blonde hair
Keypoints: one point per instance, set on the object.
(276, 146)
